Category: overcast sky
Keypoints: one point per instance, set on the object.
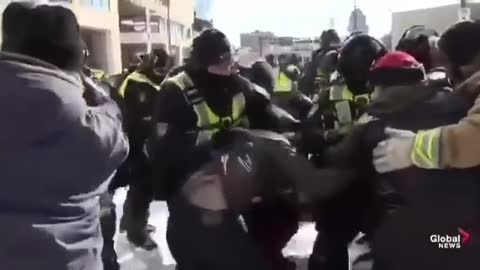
(306, 18)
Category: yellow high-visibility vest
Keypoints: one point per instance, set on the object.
(283, 83)
(426, 149)
(207, 120)
(97, 74)
(137, 77)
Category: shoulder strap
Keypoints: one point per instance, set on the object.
(138, 77)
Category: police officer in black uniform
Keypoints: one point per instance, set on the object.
(422, 43)
(139, 91)
(193, 114)
(337, 231)
(316, 74)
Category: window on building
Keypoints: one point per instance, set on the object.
(178, 31)
(155, 24)
(97, 4)
(163, 25)
(130, 24)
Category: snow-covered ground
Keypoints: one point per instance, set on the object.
(132, 258)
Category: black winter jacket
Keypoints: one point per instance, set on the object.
(173, 146)
(407, 207)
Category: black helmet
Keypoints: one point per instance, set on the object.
(416, 42)
(211, 47)
(356, 58)
(330, 39)
(272, 60)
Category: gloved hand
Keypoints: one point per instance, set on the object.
(395, 152)
(94, 95)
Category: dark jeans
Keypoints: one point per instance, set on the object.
(108, 219)
(200, 239)
(272, 225)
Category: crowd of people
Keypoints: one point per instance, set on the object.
(378, 148)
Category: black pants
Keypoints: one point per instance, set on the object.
(338, 222)
(139, 195)
(136, 208)
(200, 239)
(272, 225)
(108, 219)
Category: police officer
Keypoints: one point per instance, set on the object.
(272, 60)
(194, 112)
(286, 93)
(319, 70)
(348, 103)
(139, 91)
(421, 42)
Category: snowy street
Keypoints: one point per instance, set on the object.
(132, 258)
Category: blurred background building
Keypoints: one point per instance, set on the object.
(204, 9)
(358, 21)
(98, 20)
(438, 18)
(150, 24)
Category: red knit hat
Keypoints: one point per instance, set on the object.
(397, 68)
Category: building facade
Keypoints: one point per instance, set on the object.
(98, 21)
(439, 18)
(305, 47)
(144, 25)
(259, 42)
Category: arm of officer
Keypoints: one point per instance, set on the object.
(261, 113)
(453, 146)
(459, 147)
(314, 183)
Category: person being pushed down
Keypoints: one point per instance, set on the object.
(193, 106)
(205, 229)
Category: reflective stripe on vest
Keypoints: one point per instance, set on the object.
(360, 98)
(283, 83)
(426, 149)
(340, 92)
(97, 73)
(206, 118)
(136, 77)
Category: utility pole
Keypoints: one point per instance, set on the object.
(169, 28)
(464, 12)
(148, 30)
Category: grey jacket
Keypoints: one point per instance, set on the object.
(57, 156)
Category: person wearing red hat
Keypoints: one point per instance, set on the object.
(396, 213)
(394, 69)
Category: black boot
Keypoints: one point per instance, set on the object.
(142, 240)
(123, 226)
